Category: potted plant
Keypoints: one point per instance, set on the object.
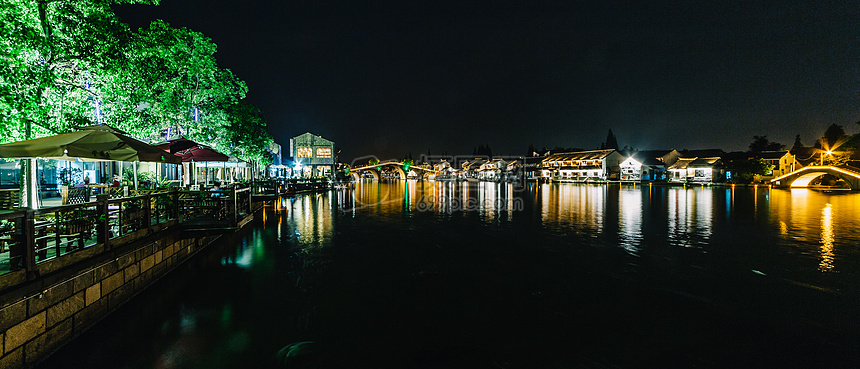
(133, 214)
(67, 176)
(103, 232)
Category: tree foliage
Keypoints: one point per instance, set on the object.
(55, 53)
(797, 144)
(836, 158)
(611, 142)
(833, 137)
(483, 150)
(761, 143)
(69, 63)
(744, 169)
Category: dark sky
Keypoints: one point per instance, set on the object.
(391, 77)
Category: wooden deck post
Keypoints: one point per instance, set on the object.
(30, 244)
(103, 220)
(147, 212)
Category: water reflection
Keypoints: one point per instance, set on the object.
(414, 256)
(491, 201)
(630, 219)
(827, 238)
(816, 224)
(578, 207)
(626, 217)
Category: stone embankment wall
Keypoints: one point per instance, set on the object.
(35, 323)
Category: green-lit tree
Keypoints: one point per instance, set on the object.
(55, 57)
(244, 133)
(174, 81)
(70, 63)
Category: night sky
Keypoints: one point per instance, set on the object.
(393, 77)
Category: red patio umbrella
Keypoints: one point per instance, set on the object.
(201, 153)
(174, 146)
(191, 151)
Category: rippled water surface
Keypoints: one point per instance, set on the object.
(473, 275)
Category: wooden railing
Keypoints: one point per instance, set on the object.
(277, 186)
(30, 237)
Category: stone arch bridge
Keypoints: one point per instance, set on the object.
(804, 176)
(421, 172)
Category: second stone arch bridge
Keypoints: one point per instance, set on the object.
(804, 177)
(400, 170)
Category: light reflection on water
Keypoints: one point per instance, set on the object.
(630, 219)
(807, 223)
(494, 265)
(827, 239)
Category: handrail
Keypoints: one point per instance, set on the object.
(12, 214)
(68, 207)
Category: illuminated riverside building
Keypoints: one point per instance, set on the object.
(313, 155)
(492, 170)
(593, 165)
(697, 170)
(649, 165)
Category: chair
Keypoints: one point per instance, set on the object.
(75, 229)
(79, 195)
(9, 199)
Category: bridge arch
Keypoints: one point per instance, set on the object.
(357, 174)
(804, 176)
(375, 169)
(400, 171)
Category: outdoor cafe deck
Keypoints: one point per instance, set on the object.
(30, 237)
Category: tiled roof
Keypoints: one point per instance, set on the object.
(579, 155)
(682, 163)
(650, 157)
(704, 162)
(770, 154)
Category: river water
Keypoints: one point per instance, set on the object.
(486, 275)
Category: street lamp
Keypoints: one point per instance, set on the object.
(828, 152)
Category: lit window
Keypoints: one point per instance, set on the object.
(323, 153)
(304, 152)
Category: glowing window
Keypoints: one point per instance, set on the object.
(304, 152)
(323, 153)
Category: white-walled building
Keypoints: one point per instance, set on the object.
(597, 165)
(648, 165)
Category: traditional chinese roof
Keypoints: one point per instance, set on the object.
(770, 154)
(682, 163)
(310, 139)
(651, 157)
(474, 163)
(704, 162)
(579, 155)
